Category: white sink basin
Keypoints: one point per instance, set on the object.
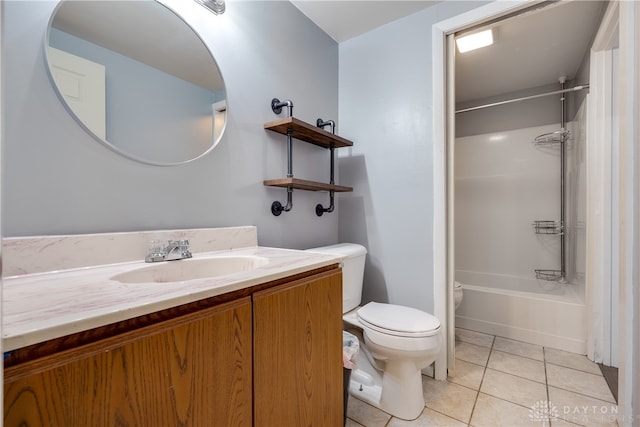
(191, 269)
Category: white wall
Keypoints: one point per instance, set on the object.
(58, 180)
(386, 108)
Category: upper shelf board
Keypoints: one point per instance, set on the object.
(302, 184)
(306, 132)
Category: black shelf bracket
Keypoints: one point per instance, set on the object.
(320, 210)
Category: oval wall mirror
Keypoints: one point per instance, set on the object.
(137, 78)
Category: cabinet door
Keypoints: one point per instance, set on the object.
(195, 370)
(298, 353)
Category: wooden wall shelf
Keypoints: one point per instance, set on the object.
(316, 135)
(307, 133)
(301, 184)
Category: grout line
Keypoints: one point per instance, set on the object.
(484, 372)
(546, 381)
(582, 394)
(576, 369)
(448, 416)
(521, 377)
(519, 355)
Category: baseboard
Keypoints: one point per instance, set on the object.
(520, 334)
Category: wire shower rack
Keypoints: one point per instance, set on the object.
(548, 227)
(550, 275)
(556, 137)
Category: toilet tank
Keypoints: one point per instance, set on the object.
(352, 271)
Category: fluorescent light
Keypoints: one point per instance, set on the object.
(474, 41)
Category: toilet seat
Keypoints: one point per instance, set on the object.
(398, 320)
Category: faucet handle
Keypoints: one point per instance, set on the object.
(155, 251)
(183, 246)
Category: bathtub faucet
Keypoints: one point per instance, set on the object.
(174, 250)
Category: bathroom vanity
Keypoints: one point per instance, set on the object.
(259, 347)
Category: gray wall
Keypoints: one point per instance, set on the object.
(58, 180)
(386, 108)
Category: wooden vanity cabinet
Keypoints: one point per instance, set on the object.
(269, 357)
(297, 348)
(193, 370)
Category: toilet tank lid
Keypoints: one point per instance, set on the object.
(346, 249)
(398, 318)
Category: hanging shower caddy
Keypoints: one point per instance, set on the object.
(316, 135)
(551, 227)
(548, 227)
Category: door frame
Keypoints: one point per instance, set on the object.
(442, 213)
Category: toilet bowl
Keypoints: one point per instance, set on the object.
(396, 342)
(457, 294)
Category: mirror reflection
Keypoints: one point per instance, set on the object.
(138, 78)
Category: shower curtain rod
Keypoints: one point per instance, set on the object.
(509, 101)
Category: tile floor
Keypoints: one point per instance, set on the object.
(502, 382)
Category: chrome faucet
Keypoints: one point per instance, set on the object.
(174, 250)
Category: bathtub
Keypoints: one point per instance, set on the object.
(544, 313)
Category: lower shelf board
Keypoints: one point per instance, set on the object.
(301, 184)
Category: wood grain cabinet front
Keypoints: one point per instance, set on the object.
(195, 370)
(297, 336)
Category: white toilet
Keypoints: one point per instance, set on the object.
(457, 294)
(396, 342)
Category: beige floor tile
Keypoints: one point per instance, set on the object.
(366, 414)
(472, 353)
(473, 337)
(513, 389)
(519, 348)
(562, 423)
(571, 360)
(579, 381)
(449, 399)
(494, 412)
(467, 374)
(428, 418)
(518, 366)
(582, 410)
(351, 423)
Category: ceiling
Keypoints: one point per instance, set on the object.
(345, 19)
(530, 50)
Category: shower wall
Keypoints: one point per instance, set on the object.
(504, 182)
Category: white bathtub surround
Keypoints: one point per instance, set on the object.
(550, 320)
(504, 182)
(49, 304)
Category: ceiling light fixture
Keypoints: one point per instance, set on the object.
(216, 6)
(475, 41)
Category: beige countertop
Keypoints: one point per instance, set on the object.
(41, 306)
